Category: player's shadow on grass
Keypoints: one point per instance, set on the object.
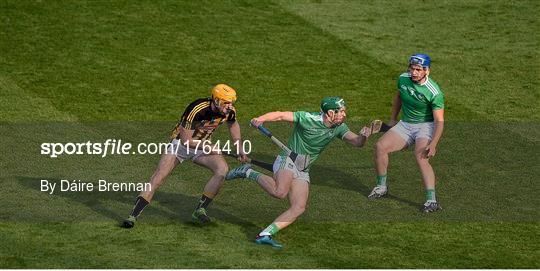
(335, 178)
(322, 175)
(331, 177)
(172, 206)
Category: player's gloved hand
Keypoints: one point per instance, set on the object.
(376, 126)
(243, 158)
(256, 122)
(229, 108)
(366, 131)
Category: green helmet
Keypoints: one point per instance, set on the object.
(332, 103)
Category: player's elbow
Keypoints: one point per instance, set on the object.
(282, 116)
(279, 116)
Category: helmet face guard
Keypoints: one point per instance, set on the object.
(217, 102)
(420, 59)
(332, 103)
(220, 99)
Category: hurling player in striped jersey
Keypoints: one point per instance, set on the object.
(200, 119)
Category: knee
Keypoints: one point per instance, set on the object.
(221, 171)
(380, 148)
(421, 160)
(280, 194)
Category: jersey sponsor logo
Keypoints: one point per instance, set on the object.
(404, 88)
(320, 132)
(417, 95)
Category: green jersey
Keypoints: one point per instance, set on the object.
(419, 101)
(310, 136)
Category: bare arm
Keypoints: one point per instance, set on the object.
(236, 136)
(438, 116)
(357, 140)
(396, 107)
(273, 116)
(234, 129)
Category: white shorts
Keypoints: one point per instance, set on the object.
(410, 132)
(182, 153)
(288, 164)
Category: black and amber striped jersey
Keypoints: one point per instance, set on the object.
(199, 117)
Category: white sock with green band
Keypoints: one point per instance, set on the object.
(253, 174)
(272, 229)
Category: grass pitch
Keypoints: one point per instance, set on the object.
(86, 70)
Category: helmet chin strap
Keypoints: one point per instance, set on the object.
(422, 79)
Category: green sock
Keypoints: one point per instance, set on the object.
(253, 175)
(381, 180)
(272, 229)
(430, 194)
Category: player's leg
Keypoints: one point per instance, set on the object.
(428, 175)
(298, 197)
(165, 166)
(391, 141)
(219, 169)
(277, 186)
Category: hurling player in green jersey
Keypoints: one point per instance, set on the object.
(311, 134)
(422, 120)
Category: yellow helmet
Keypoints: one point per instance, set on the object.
(223, 92)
